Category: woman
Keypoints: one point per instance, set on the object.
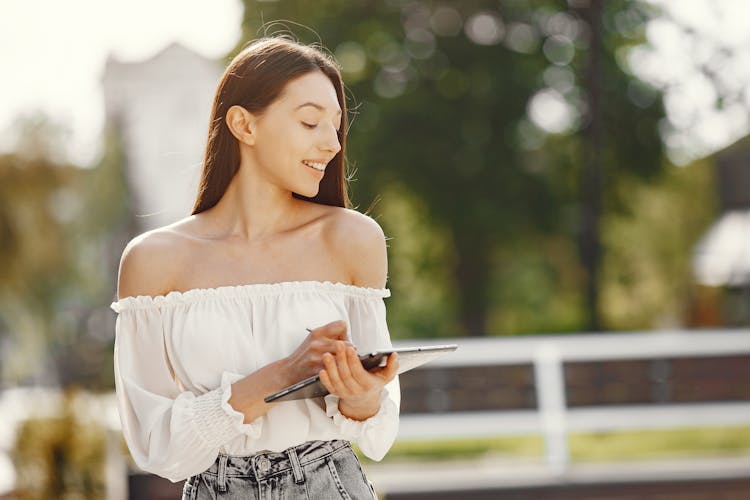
(272, 279)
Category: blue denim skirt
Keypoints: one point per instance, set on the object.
(312, 471)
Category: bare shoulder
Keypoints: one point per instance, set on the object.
(360, 244)
(150, 262)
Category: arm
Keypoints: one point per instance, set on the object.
(176, 433)
(364, 404)
(374, 433)
(169, 432)
(362, 246)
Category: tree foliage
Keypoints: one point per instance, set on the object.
(474, 109)
(55, 221)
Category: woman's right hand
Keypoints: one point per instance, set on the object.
(307, 359)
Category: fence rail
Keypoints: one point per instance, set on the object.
(552, 418)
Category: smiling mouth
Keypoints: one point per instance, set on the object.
(320, 167)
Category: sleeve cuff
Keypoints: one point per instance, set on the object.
(217, 421)
(353, 429)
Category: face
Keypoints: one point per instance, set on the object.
(296, 136)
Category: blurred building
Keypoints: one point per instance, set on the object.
(722, 257)
(161, 109)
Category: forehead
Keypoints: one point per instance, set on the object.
(312, 87)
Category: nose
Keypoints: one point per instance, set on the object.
(330, 141)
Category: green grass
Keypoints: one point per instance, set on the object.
(526, 446)
(722, 441)
(586, 447)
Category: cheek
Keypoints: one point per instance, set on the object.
(279, 152)
(278, 142)
(289, 136)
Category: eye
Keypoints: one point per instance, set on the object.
(309, 125)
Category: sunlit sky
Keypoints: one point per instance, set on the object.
(696, 129)
(53, 54)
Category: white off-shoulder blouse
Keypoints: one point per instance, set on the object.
(176, 356)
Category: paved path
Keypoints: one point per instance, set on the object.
(497, 474)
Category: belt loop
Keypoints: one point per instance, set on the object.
(222, 473)
(299, 476)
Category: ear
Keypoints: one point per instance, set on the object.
(241, 123)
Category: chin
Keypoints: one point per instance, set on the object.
(309, 193)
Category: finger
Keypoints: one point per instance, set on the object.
(336, 330)
(331, 346)
(391, 367)
(326, 380)
(389, 371)
(323, 345)
(329, 361)
(358, 372)
(345, 370)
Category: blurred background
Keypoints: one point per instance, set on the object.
(566, 189)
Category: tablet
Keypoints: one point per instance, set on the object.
(408, 359)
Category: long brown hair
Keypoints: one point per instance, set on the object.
(254, 79)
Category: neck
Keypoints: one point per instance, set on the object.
(253, 209)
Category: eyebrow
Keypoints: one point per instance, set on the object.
(314, 105)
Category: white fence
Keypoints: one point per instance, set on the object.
(552, 418)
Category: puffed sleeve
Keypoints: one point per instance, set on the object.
(172, 433)
(369, 332)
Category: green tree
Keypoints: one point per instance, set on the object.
(33, 246)
(453, 105)
(62, 456)
(55, 221)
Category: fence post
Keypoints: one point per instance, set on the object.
(550, 390)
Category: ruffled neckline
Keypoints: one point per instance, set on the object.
(240, 291)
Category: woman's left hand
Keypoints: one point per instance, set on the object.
(358, 389)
